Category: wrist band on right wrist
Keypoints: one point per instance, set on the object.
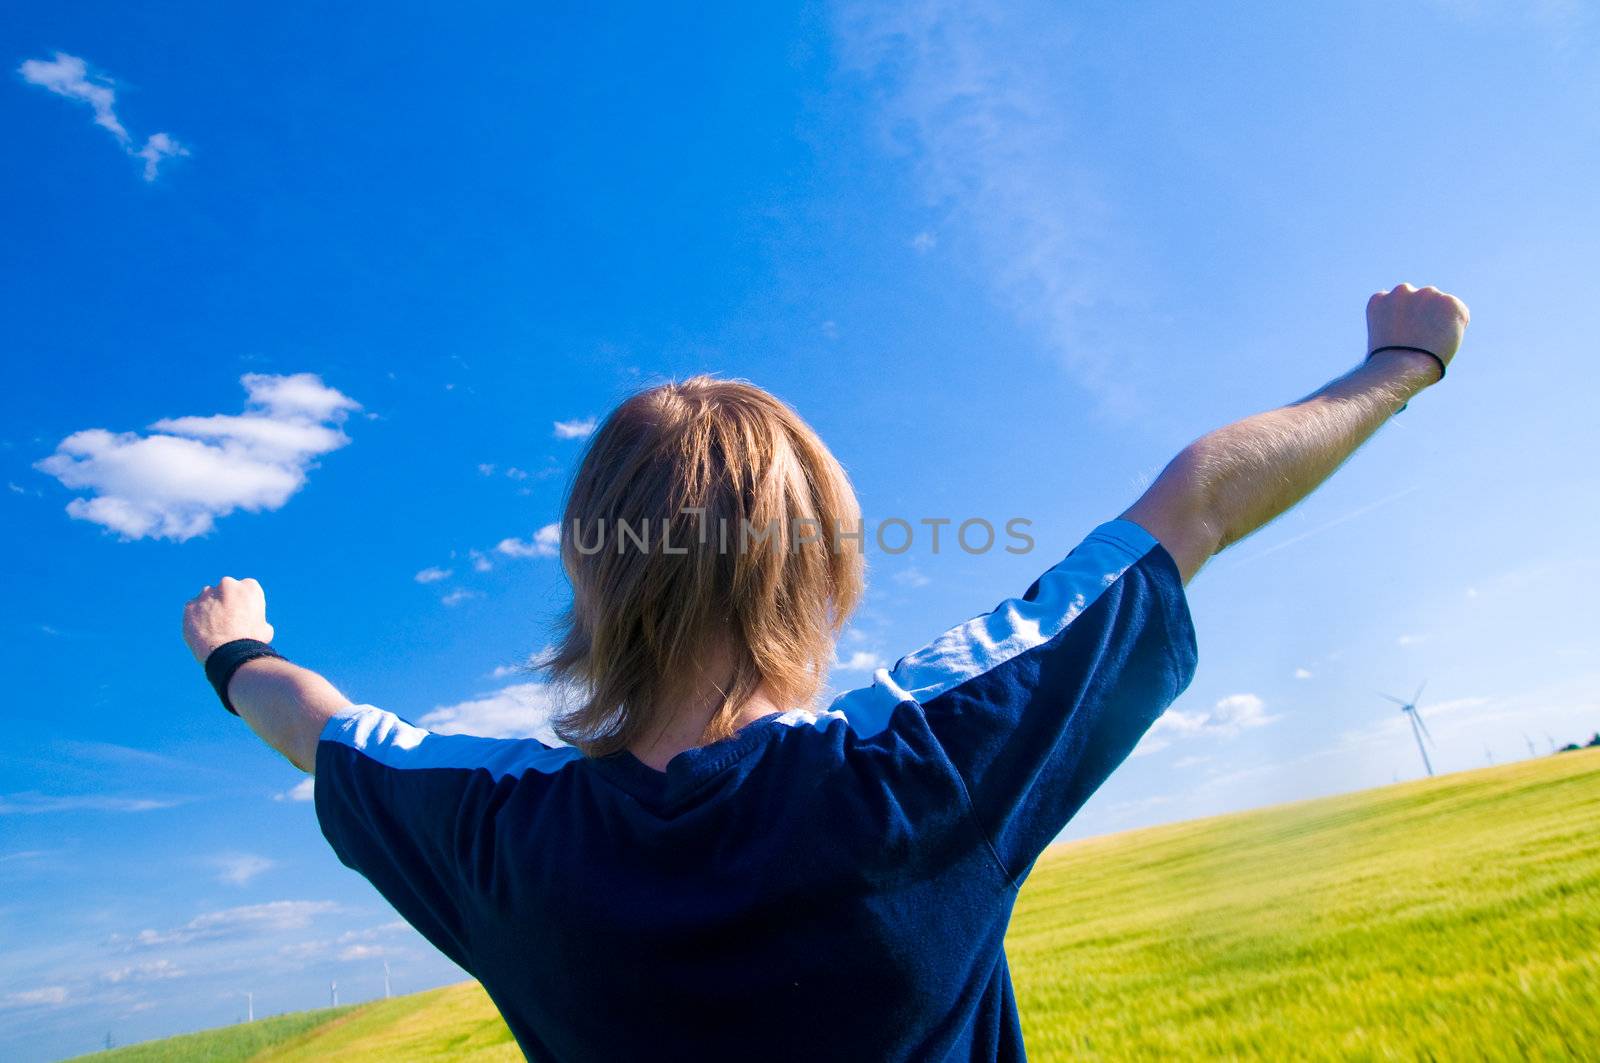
(225, 660)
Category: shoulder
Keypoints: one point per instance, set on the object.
(368, 734)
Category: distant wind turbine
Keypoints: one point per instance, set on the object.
(1418, 729)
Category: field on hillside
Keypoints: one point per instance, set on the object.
(1448, 918)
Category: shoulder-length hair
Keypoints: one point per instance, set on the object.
(710, 538)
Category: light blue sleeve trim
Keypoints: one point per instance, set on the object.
(391, 741)
(1014, 627)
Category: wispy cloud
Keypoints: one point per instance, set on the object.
(527, 666)
(546, 542)
(460, 595)
(1302, 673)
(971, 96)
(432, 575)
(582, 428)
(274, 916)
(23, 804)
(150, 971)
(175, 481)
(44, 996)
(1228, 717)
(238, 869)
(69, 76)
(1359, 511)
(158, 147)
(911, 578)
(521, 710)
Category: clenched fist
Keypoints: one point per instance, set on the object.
(233, 609)
(1416, 317)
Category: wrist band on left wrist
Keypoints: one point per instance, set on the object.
(1418, 350)
(225, 660)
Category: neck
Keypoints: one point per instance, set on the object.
(687, 722)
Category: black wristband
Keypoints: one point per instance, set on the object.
(1418, 350)
(225, 660)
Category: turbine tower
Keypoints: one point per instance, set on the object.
(1419, 730)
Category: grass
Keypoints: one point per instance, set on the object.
(1448, 918)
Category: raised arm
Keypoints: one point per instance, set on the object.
(1230, 482)
(284, 704)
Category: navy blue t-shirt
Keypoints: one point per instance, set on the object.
(831, 885)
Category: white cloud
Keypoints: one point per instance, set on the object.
(546, 542)
(522, 710)
(176, 481)
(459, 595)
(480, 562)
(924, 242)
(1302, 673)
(69, 76)
(1410, 640)
(1228, 717)
(237, 869)
(304, 790)
(578, 429)
(859, 661)
(1239, 712)
(44, 996)
(362, 952)
(159, 146)
(432, 575)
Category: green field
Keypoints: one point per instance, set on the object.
(1450, 918)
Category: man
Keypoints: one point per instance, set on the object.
(711, 870)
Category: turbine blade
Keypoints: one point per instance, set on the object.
(1391, 697)
(1418, 695)
(1415, 715)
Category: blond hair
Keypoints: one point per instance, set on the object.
(748, 565)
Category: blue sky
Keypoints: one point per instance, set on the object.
(1006, 264)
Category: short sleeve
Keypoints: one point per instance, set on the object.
(1036, 702)
(412, 811)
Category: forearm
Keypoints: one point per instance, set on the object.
(1232, 481)
(286, 705)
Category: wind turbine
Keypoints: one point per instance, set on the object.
(1418, 729)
